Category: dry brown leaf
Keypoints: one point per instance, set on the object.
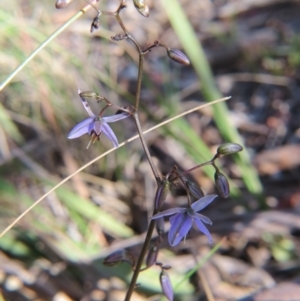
(278, 159)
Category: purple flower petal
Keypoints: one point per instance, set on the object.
(108, 132)
(96, 124)
(91, 128)
(98, 127)
(168, 212)
(203, 202)
(181, 223)
(80, 129)
(86, 105)
(203, 229)
(115, 117)
(203, 218)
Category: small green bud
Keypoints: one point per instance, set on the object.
(229, 149)
(89, 94)
(62, 3)
(222, 184)
(178, 56)
(161, 193)
(142, 7)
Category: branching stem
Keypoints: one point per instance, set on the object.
(140, 132)
(211, 162)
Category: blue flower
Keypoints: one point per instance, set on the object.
(185, 218)
(95, 125)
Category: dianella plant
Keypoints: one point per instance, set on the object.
(182, 219)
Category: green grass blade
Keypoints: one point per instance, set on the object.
(196, 55)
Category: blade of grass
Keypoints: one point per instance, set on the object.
(44, 44)
(103, 155)
(195, 52)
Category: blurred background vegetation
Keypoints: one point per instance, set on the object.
(55, 251)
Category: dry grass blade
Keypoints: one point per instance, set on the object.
(44, 44)
(102, 156)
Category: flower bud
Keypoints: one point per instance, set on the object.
(118, 37)
(89, 94)
(152, 256)
(62, 3)
(178, 56)
(142, 7)
(161, 193)
(117, 257)
(166, 285)
(222, 184)
(194, 189)
(160, 227)
(96, 23)
(229, 149)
